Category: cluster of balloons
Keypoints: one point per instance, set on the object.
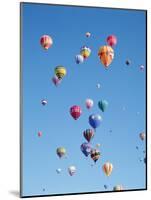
(61, 152)
(71, 170)
(106, 52)
(84, 54)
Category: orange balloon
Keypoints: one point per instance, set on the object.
(106, 55)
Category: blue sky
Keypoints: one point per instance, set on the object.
(122, 86)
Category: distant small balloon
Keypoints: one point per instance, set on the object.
(98, 145)
(98, 86)
(105, 186)
(88, 34)
(118, 188)
(39, 133)
(58, 170)
(142, 67)
(44, 102)
(111, 40)
(142, 136)
(128, 62)
(72, 170)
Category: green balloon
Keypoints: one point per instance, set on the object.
(103, 105)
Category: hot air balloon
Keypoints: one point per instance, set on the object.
(142, 67)
(86, 148)
(105, 186)
(98, 145)
(137, 147)
(79, 59)
(72, 170)
(75, 111)
(85, 52)
(60, 71)
(128, 62)
(88, 34)
(89, 103)
(61, 151)
(95, 154)
(58, 170)
(107, 168)
(88, 134)
(118, 188)
(46, 41)
(111, 40)
(95, 120)
(56, 80)
(142, 136)
(39, 133)
(98, 86)
(103, 105)
(106, 55)
(44, 102)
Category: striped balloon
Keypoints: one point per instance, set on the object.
(46, 41)
(95, 154)
(107, 168)
(88, 134)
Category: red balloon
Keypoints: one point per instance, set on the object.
(46, 41)
(111, 40)
(39, 134)
(75, 112)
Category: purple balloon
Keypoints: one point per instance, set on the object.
(86, 148)
(56, 81)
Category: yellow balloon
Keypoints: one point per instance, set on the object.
(60, 72)
(85, 53)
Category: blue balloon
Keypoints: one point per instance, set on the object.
(103, 105)
(79, 59)
(86, 148)
(95, 120)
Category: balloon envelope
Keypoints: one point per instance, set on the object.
(56, 80)
(107, 168)
(95, 120)
(72, 170)
(142, 136)
(79, 59)
(111, 40)
(60, 71)
(118, 188)
(58, 170)
(106, 55)
(44, 102)
(88, 34)
(85, 52)
(88, 134)
(95, 154)
(86, 148)
(39, 133)
(89, 103)
(103, 105)
(75, 111)
(61, 151)
(46, 41)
